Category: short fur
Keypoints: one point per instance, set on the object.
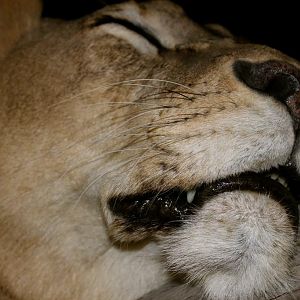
(92, 111)
(17, 17)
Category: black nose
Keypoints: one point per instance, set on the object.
(276, 78)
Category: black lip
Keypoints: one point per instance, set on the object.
(165, 209)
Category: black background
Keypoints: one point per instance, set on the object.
(274, 23)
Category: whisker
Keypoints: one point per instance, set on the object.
(154, 95)
(124, 123)
(58, 152)
(98, 158)
(158, 80)
(112, 104)
(99, 176)
(124, 82)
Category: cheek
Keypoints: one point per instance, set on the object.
(241, 239)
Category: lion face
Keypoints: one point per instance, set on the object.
(183, 134)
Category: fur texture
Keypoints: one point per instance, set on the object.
(91, 111)
(17, 17)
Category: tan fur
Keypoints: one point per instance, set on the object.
(17, 17)
(82, 121)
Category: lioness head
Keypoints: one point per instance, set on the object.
(183, 135)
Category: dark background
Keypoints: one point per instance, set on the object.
(273, 23)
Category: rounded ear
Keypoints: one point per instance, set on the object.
(218, 30)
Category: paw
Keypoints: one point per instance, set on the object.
(239, 245)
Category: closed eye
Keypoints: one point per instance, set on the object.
(130, 26)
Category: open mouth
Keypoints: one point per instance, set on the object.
(165, 209)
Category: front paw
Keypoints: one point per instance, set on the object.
(239, 245)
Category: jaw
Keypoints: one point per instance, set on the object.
(233, 238)
(243, 236)
(160, 210)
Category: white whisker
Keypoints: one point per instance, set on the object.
(97, 159)
(157, 80)
(124, 82)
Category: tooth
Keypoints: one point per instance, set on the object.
(274, 176)
(282, 181)
(190, 195)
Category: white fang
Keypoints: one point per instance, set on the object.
(190, 195)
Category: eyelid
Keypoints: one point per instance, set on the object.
(130, 26)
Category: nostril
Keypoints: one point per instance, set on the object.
(276, 78)
(282, 86)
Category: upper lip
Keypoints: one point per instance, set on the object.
(159, 209)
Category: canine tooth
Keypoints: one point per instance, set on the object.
(282, 181)
(190, 195)
(274, 176)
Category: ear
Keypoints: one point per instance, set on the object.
(16, 18)
(218, 30)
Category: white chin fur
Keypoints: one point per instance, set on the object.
(238, 246)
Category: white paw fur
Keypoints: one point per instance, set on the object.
(239, 244)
